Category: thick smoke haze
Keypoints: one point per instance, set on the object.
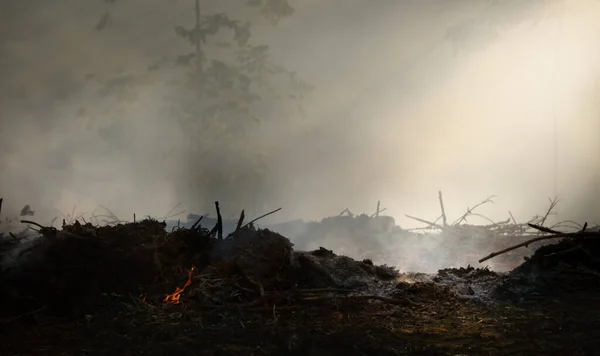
(398, 112)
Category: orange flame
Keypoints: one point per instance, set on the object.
(173, 298)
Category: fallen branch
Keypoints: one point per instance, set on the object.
(346, 211)
(262, 216)
(380, 211)
(431, 224)
(580, 235)
(197, 223)
(33, 223)
(523, 244)
(544, 229)
(492, 222)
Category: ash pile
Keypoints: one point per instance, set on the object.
(564, 264)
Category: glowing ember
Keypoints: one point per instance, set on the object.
(173, 298)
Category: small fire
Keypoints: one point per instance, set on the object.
(173, 298)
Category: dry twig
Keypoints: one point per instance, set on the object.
(262, 216)
(470, 210)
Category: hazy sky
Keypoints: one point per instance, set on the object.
(398, 114)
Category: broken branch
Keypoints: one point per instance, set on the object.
(431, 224)
(572, 235)
(470, 210)
(444, 220)
(262, 216)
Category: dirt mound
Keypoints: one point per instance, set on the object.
(65, 269)
(567, 266)
(567, 252)
(256, 253)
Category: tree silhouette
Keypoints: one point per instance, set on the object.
(220, 90)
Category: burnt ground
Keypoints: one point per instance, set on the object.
(439, 325)
(253, 295)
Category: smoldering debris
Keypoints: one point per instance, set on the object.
(442, 242)
(197, 282)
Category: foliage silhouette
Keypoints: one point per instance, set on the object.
(217, 93)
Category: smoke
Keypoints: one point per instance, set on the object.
(398, 113)
(416, 118)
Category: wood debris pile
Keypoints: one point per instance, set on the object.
(71, 269)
